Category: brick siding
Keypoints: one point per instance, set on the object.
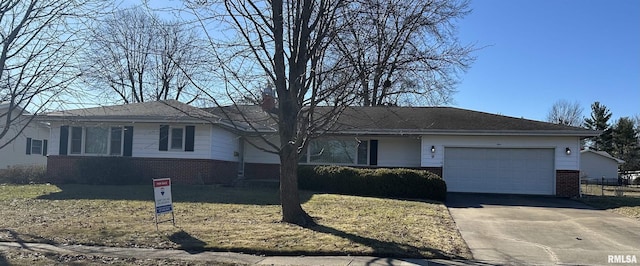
(567, 183)
(64, 169)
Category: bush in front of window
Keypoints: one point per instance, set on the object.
(108, 171)
(23, 174)
(380, 182)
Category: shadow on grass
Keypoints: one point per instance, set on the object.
(187, 242)
(179, 193)
(610, 202)
(383, 248)
(22, 238)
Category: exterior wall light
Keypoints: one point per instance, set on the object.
(433, 149)
(568, 151)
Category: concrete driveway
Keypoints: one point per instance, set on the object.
(530, 230)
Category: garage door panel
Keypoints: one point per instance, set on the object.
(504, 170)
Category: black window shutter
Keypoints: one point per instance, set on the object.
(44, 147)
(189, 142)
(164, 138)
(28, 145)
(373, 153)
(128, 141)
(64, 139)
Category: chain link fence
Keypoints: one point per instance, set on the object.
(618, 187)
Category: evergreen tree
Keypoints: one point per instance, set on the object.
(599, 120)
(625, 143)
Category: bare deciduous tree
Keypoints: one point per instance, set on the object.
(38, 42)
(283, 44)
(140, 57)
(403, 52)
(564, 112)
(301, 49)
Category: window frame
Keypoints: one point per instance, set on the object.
(33, 141)
(83, 140)
(306, 158)
(171, 138)
(73, 138)
(110, 141)
(42, 147)
(172, 135)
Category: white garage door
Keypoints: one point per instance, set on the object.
(493, 170)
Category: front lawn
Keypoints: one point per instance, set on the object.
(628, 204)
(228, 219)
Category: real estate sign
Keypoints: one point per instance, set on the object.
(162, 193)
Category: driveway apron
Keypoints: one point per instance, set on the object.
(538, 230)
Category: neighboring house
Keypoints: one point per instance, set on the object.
(30, 145)
(473, 151)
(595, 165)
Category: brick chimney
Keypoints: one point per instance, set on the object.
(268, 100)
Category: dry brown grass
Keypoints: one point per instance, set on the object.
(228, 219)
(628, 204)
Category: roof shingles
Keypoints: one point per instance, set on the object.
(374, 120)
(159, 110)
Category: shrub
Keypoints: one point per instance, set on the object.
(382, 182)
(24, 174)
(108, 171)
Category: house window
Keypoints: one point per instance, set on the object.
(177, 136)
(333, 151)
(76, 140)
(37, 146)
(115, 146)
(363, 154)
(96, 140)
(336, 151)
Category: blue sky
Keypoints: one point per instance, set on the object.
(538, 52)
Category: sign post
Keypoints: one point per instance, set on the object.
(162, 195)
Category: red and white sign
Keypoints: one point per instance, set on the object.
(162, 195)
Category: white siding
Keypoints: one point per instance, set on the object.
(398, 152)
(16, 152)
(559, 144)
(224, 145)
(146, 142)
(594, 166)
(255, 155)
(392, 152)
(54, 139)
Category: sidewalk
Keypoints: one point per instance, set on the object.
(226, 257)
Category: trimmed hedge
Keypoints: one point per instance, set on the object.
(381, 182)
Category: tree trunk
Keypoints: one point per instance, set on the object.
(292, 212)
